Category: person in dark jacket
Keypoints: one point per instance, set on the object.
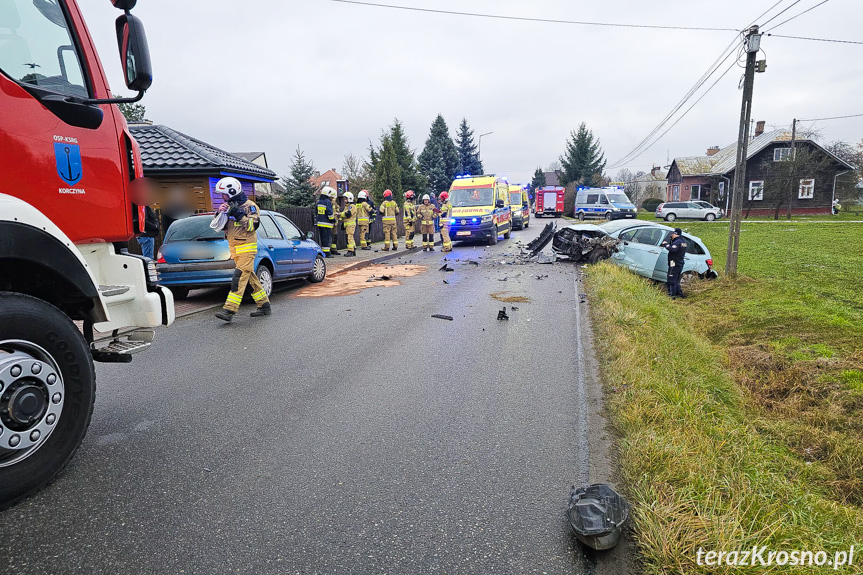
(676, 246)
(147, 240)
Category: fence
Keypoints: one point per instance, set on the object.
(304, 218)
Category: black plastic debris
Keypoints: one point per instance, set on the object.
(378, 279)
(501, 315)
(446, 317)
(446, 268)
(541, 277)
(474, 262)
(514, 308)
(542, 240)
(446, 282)
(597, 514)
(502, 279)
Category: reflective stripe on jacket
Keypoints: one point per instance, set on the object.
(389, 209)
(426, 214)
(243, 230)
(325, 216)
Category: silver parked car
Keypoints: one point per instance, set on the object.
(696, 210)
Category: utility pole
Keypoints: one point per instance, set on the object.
(479, 147)
(752, 45)
(792, 156)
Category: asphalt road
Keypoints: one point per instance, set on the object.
(350, 434)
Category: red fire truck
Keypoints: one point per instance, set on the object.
(549, 201)
(69, 171)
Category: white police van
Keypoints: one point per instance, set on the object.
(608, 203)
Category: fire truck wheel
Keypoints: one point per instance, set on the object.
(47, 389)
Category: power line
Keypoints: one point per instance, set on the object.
(832, 118)
(801, 14)
(781, 12)
(815, 39)
(540, 20)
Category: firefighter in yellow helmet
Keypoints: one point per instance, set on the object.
(445, 215)
(365, 215)
(426, 213)
(410, 218)
(349, 220)
(325, 219)
(390, 209)
(239, 218)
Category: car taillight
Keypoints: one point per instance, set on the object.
(710, 263)
(658, 208)
(160, 259)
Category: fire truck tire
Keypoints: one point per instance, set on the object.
(493, 239)
(32, 327)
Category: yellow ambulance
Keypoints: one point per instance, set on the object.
(481, 209)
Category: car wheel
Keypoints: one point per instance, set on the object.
(319, 271)
(265, 276)
(493, 239)
(710, 217)
(179, 292)
(49, 386)
(608, 216)
(581, 216)
(598, 255)
(508, 233)
(670, 217)
(689, 279)
(526, 225)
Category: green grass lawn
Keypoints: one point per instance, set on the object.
(740, 408)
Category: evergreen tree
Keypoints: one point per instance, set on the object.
(134, 111)
(468, 156)
(388, 174)
(583, 162)
(411, 179)
(538, 180)
(300, 193)
(439, 159)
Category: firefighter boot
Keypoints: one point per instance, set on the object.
(225, 315)
(262, 311)
(350, 254)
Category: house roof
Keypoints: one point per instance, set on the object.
(331, 176)
(552, 178)
(248, 156)
(658, 176)
(165, 151)
(725, 160)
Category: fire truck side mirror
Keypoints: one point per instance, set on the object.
(134, 53)
(124, 4)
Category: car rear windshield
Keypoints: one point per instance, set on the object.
(193, 228)
(470, 197)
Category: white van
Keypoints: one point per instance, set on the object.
(606, 203)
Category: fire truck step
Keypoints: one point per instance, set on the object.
(109, 291)
(121, 348)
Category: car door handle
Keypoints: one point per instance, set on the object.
(652, 252)
(271, 247)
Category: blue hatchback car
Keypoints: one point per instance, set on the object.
(196, 256)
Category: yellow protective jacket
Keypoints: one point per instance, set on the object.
(445, 213)
(426, 213)
(243, 231)
(389, 209)
(364, 210)
(410, 212)
(349, 214)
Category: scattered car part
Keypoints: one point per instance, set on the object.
(542, 239)
(596, 515)
(446, 317)
(501, 315)
(584, 243)
(446, 268)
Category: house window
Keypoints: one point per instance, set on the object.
(756, 190)
(696, 193)
(675, 192)
(807, 189)
(721, 190)
(781, 154)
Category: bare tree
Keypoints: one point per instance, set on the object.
(554, 166)
(358, 173)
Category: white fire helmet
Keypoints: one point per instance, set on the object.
(329, 192)
(349, 197)
(426, 197)
(363, 195)
(231, 187)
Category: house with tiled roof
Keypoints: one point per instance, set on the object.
(267, 192)
(332, 179)
(184, 167)
(709, 177)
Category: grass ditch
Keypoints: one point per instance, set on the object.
(740, 409)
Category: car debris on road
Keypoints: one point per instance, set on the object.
(596, 514)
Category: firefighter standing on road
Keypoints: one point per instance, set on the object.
(426, 214)
(389, 209)
(337, 212)
(365, 209)
(445, 215)
(241, 220)
(326, 219)
(676, 254)
(410, 218)
(349, 219)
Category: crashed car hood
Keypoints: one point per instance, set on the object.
(586, 228)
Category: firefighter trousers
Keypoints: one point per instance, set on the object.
(326, 236)
(410, 231)
(391, 234)
(364, 235)
(428, 235)
(350, 230)
(243, 275)
(445, 239)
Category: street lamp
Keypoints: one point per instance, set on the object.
(479, 147)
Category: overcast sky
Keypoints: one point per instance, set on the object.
(268, 75)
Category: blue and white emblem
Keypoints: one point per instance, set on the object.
(68, 158)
